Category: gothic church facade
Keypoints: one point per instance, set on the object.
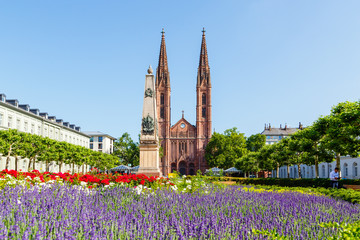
(183, 143)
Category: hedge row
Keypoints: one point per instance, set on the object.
(287, 182)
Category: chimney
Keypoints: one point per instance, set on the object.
(285, 126)
(280, 126)
(269, 127)
(300, 126)
(265, 127)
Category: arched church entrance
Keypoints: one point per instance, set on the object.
(182, 168)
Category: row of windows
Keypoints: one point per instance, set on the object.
(51, 134)
(345, 169)
(99, 146)
(100, 139)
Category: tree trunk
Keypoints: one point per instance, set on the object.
(73, 168)
(34, 163)
(277, 170)
(83, 168)
(60, 164)
(338, 163)
(316, 167)
(288, 171)
(47, 166)
(257, 174)
(29, 165)
(299, 171)
(16, 163)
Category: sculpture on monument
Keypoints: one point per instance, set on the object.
(149, 139)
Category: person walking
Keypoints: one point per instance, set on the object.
(334, 178)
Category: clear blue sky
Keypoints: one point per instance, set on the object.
(271, 61)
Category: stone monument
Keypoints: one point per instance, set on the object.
(149, 139)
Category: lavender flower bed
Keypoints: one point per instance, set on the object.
(65, 212)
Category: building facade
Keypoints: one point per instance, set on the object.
(349, 169)
(274, 135)
(25, 119)
(101, 142)
(183, 144)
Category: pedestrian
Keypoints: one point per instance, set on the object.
(334, 178)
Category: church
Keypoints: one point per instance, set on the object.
(183, 144)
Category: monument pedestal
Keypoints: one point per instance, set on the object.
(149, 140)
(149, 164)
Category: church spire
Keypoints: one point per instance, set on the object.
(162, 73)
(204, 69)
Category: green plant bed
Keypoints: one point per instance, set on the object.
(291, 182)
(344, 194)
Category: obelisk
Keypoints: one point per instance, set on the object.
(149, 139)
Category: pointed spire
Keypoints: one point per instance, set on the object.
(162, 70)
(204, 69)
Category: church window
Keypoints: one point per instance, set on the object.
(162, 99)
(203, 112)
(204, 99)
(162, 114)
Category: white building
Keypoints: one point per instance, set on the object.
(349, 169)
(101, 142)
(274, 135)
(25, 119)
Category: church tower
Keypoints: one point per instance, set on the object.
(203, 105)
(163, 92)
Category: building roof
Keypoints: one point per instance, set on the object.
(35, 113)
(280, 131)
(98, 134)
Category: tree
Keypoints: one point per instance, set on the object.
(249, 163)
(127, 150)
(224, 149)
(255, 142)
(10, 144)
(341, 130)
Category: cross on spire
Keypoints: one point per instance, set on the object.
(182, 113)
(162, 31)
(203, 31)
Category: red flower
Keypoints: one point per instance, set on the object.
(142, 182)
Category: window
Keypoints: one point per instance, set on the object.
(100, 139)
(100, 146)
(18, 124)
(203, 112)
(32, 128)
(91, 139)
(355, 170)
(1, 118)
(39, 130)
(9, 121)
(25, 127)
(162, 99)
(204, 99)
(162, 114)
(91, 146)
(346, 169)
